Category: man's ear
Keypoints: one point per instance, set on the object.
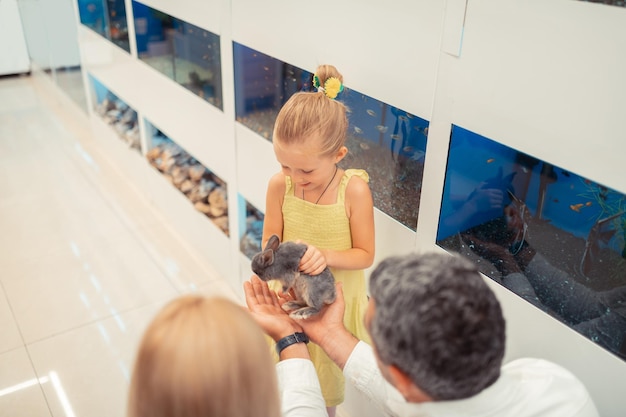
(403, 383)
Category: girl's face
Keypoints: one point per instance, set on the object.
(309, 170)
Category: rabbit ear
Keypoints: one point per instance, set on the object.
(267, 257)
(272, 243)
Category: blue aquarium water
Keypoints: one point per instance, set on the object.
(107, 18)
(553, 237)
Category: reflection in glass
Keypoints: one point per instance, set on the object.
(554, 238)
(115, 112)
(206, 191)
(389, 143)
(250, 228)
(106, 17)
(181, 51)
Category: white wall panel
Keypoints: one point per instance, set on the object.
(386, 50)
(256, 164)
(392, 238)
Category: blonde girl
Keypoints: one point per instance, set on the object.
(203, 357)
(314, 201)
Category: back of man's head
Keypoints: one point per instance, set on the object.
(437, 320)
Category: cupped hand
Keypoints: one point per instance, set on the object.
(327, 321)
(265, 307)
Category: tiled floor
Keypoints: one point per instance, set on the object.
(84, 262)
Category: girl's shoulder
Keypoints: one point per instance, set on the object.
(356, 182)
(278, 183)
(360, 175)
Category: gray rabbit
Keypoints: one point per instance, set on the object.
(281, 261)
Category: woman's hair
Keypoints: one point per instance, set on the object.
(203, 357)
(436, 319)
(313, 114)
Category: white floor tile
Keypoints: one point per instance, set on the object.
(83, 284)
(21, 392)
(93, 364)
(11, 338)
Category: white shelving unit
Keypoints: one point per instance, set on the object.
(546, 78)
(13, 48)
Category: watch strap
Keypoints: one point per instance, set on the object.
(292, 339)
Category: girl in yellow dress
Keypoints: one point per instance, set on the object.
(314, 201)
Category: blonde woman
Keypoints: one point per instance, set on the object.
(202, 357)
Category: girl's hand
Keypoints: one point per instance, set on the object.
(313, 261)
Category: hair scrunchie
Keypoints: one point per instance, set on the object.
(332, 86)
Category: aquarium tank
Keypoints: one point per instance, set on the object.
(250, 227)
(107, 18)
(388, 142)
(185, 53)
(115, 112)
(551, 236)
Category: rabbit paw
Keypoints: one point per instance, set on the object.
(292, 305)
(304, 313)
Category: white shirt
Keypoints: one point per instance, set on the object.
(526, 388)
(301, 394)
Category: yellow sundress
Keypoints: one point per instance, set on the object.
(328, 227)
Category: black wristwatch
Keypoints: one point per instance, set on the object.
(286, 341)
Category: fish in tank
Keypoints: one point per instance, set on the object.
(206, 191)
(250, 227)
(552, 237)
(388, 142)
(183, 52)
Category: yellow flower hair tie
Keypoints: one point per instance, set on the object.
(332, 86)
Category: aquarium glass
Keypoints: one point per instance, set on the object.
(262, 85)
(116, 113)
(388, 142)
(205, 190)
(181, 51)
(551, 236)
(250, 227)
(106, 17)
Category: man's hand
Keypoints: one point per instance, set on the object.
(328, 321)
(326, 329)
(266, 309)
